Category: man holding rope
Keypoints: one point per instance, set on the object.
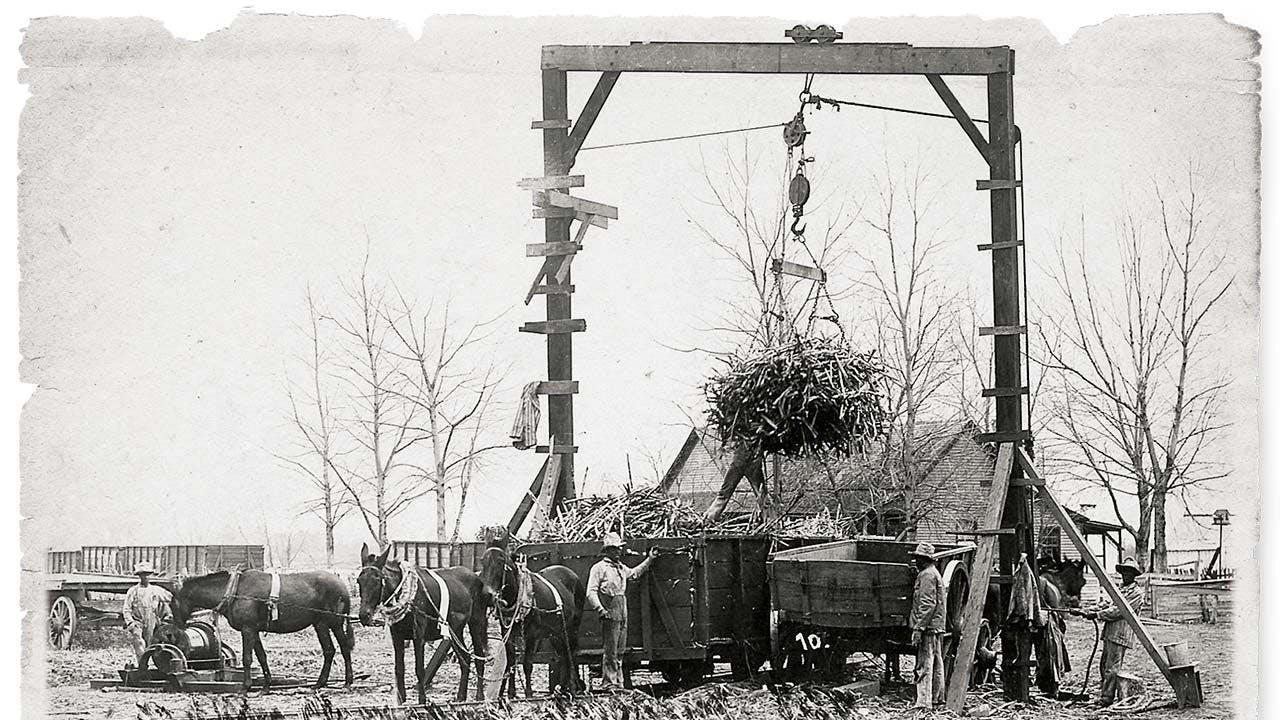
(1117, 636)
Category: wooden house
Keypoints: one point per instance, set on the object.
(955, 470)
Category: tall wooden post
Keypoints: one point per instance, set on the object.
(555, 162)
(1007, 336)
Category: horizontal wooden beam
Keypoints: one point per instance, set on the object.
(1006, 392)
(1026, 482)
(556, 182)
(834, 58)
(999, 184)
(787, 267)
(565, 200)
(1003, 330)
(554, 327)
(1001, 245)
(551, 249)
(560, 124)
(558, 387)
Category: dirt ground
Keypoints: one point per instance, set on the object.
(102, 652)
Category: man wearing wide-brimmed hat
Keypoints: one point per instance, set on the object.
(1117, 636)
(928, 622)
(145, 607)
(607, 595)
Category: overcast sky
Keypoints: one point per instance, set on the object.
(177, 198)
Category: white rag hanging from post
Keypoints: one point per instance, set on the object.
(524, 432)
(442, 609)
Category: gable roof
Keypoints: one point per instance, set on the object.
(809, 485)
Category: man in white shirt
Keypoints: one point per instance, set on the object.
(607, 595)
(145, 607)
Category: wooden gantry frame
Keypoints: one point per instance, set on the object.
(1007, 531)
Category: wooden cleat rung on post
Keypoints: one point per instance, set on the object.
(999, 184)
(558, 387)
(553, 249)
(554, 327)
(557, 124)
(555, 182)
(1003, 330)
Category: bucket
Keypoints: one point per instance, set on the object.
(1177, 653)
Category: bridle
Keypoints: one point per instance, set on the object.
(384, 594)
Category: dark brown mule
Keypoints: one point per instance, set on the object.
(379, 581)
(318, 600)
(552, 614)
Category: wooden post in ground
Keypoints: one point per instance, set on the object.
(982, 563)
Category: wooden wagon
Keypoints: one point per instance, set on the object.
(71, 575)
(852, 596)
(705, 600)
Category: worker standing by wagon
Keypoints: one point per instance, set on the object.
(1117, 636)
(928, 621)
(145, 607)
(607, 595)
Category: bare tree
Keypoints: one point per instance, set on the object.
(377, 420)
(912, 313)
(1138, 395)
(448, 397)
(311, 414)
(751, 227)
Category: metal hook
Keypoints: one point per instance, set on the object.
(796, 228)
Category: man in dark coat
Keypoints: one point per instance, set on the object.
(928, 622)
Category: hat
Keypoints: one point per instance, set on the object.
(144, 568)
(1129, 564)
(924, 550)
(612, 539)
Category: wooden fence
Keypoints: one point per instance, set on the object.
(1173, 598)
(435, 554)
(168, 560)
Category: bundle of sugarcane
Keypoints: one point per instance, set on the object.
(636, 512)
(809, 396)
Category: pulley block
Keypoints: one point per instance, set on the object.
(793, 133)
(798, 193)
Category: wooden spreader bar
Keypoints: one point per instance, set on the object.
(1003, 436)
(557, 449)
(787, 267)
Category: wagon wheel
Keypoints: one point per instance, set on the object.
(62, 622)
(955, 579)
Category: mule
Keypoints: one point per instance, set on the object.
(318, 600)
(1068, 577)
(552, 611)
(381, 579)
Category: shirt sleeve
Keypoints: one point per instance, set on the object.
(593, 587)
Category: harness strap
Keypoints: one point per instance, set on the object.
(273, 599)
(228, 595)
(554, 593)
(442, 610)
